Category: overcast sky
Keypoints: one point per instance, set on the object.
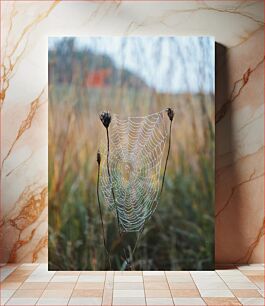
(169, 64)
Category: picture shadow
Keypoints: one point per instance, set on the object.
(227, 225)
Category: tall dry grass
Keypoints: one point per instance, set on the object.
(180, 234)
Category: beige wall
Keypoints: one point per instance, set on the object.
(237, 25)
(240, 153)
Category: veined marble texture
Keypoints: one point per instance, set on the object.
(237, 25)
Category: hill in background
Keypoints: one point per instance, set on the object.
(68, 64)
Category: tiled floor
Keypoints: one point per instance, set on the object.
(33, 284)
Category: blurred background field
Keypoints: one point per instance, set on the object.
(131, 76)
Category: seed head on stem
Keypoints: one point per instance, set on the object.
(170, 113)
(98, 157)
(105, 118)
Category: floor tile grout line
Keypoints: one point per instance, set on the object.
(196, 285)
(114, 274)
(45, 286)
(9, 297)
(74, 288)
(169, 289)
(112, 290)
(232, 289)
(102, 296)
(41, 293)
(227, 286)
(13, 271)
(199, 289)
(105, 278)
(15, 290)
(70, 297)
(145, 298)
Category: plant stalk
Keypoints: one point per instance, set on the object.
(112, 191)
(101, 217)
(168, 151)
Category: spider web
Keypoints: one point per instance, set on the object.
(136, 152)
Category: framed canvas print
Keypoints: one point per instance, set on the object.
(131, 153)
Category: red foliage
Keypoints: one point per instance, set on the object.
(97, 78)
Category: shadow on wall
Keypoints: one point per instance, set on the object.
(225, 147)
